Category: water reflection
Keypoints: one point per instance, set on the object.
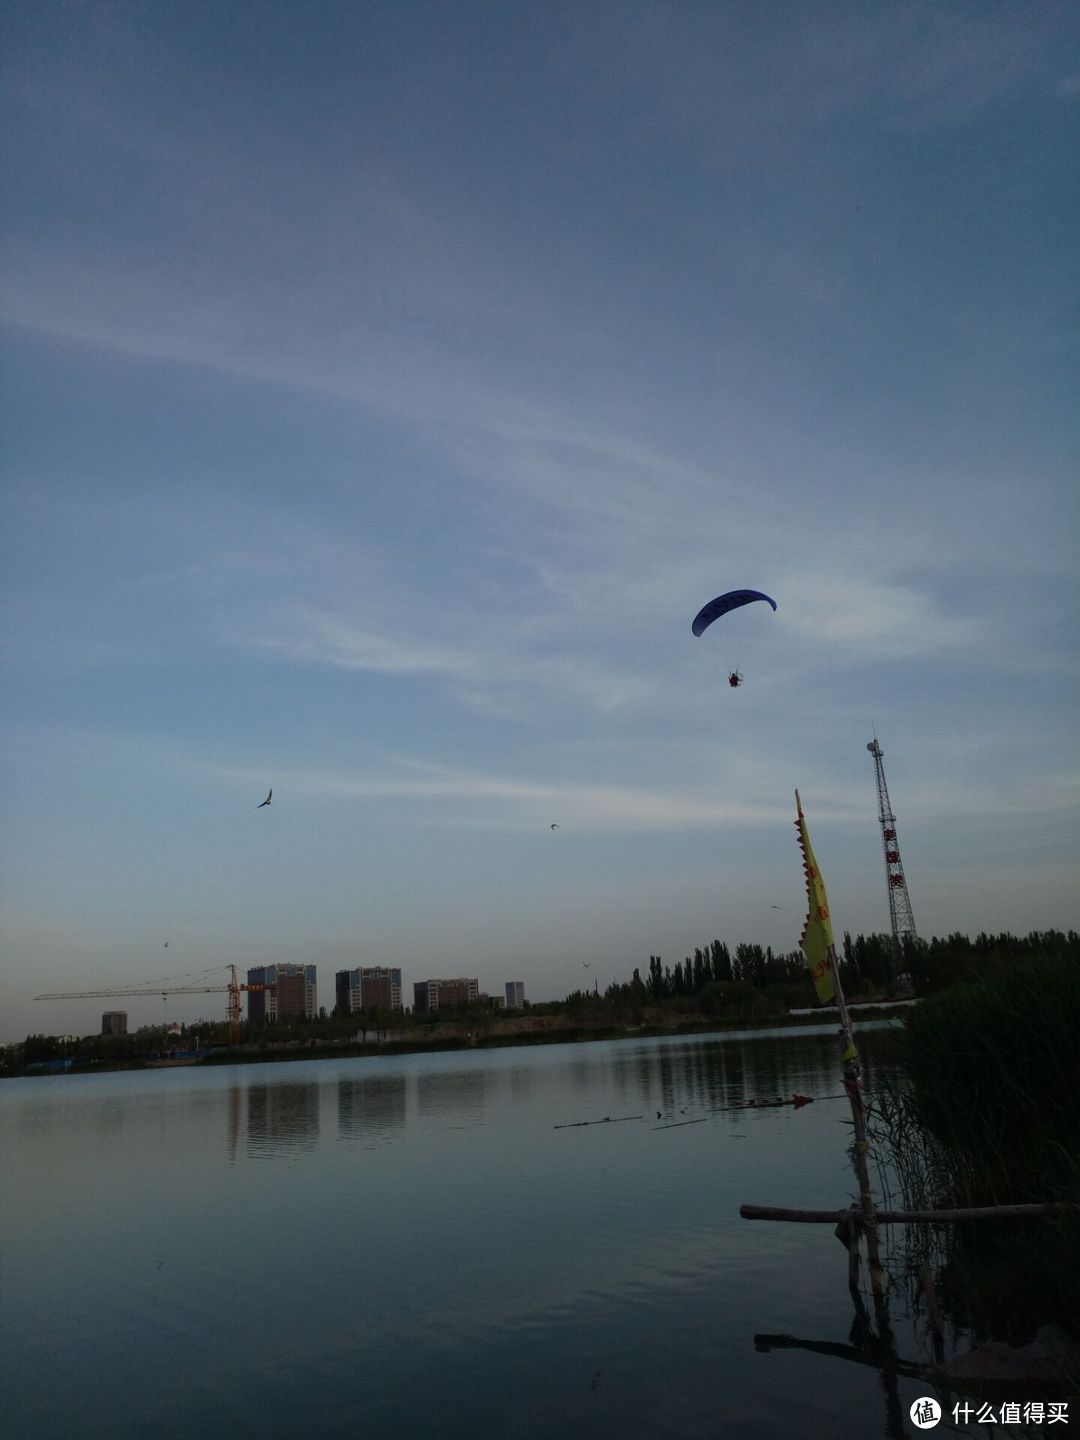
(282, 1116)
(371, 1109)
(454, 1095)
(548, 1259)
(704, 1076)
(522, 1082)
(233, 1121)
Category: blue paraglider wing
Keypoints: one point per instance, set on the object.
(722, 604)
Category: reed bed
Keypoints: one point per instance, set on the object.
(984, 1110)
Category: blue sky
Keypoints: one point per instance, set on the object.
(387, 386)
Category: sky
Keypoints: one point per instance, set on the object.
(385, 389)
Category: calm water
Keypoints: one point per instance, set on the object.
(408, 1247)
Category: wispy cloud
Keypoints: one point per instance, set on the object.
(876, 619)
(304, 633)
(491, 673)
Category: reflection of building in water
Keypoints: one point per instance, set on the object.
(371, 1108)
(114, 1022)
(455, 1095)
(293, 992)
(431, 995)
(371, 987)
(233, 1139)
(515, 994)
(282, 1115)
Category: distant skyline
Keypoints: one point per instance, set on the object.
(387, 387)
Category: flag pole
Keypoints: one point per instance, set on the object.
(820, 951)
(853, 1087)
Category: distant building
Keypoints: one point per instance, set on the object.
(515, 994)
(114, 1022)
(347, 992)
(293, 993)
(432, 995)
(371, 987)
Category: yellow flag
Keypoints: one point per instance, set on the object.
(817, 934)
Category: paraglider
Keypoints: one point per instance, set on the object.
(730, 600)
(722, 604)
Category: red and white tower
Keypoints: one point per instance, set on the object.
(903, 922)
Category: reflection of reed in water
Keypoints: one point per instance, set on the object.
(282, 1117)
(371, 1109)
(454, 1096)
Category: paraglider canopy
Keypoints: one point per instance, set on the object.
(722, 604)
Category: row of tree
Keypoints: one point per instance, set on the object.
(749, 982)
(753, 980)
(869, 964)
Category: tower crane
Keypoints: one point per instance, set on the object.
(232, 988)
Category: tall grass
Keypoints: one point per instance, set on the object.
(994, 1072)
(986, 1111)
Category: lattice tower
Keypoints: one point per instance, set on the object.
(900, 916)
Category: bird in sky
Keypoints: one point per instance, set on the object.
(776, 907)
(555, 827)
(266, 801)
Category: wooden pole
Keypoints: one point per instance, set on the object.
(908, 1217)
(853, 1087)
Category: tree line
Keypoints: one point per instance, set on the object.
(721, 984)
(754, 980)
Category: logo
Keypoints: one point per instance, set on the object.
(925, 1413)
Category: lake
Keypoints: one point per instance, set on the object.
(410, 1247)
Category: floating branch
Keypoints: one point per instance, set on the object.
(607, 1120)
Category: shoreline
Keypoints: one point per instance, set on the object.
(447, 1042)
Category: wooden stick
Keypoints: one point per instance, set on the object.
(907, 1217)
(607, 1120)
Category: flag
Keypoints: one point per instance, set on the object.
(817, 937)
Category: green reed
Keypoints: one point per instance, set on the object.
(984, 1111)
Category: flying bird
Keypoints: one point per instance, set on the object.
(266, 801)
(555, 827)
(776, 907)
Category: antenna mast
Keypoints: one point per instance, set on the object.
(903, 922)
